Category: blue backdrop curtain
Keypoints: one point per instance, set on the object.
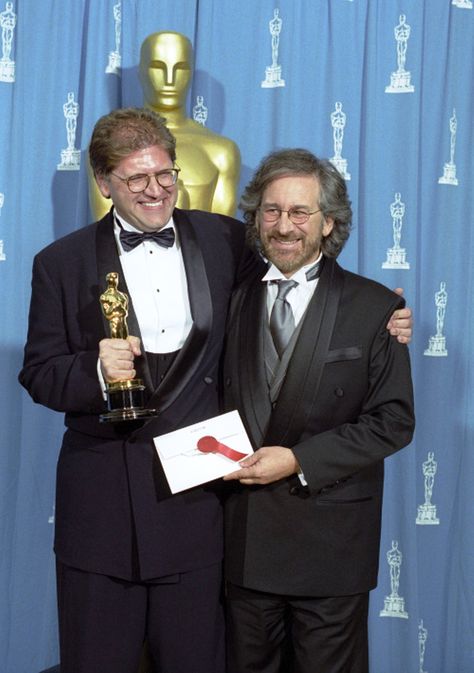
(383, 87)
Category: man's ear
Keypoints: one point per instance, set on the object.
(328, 225)
(103, 185)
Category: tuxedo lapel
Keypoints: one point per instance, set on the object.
(253, 391)
(190, 356)
(301, 385)
(108, 260)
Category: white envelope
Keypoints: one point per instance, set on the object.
(186, 466)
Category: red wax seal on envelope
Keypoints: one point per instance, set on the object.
(210, 444)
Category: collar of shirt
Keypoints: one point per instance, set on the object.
(299, 297)
(156, 277)
(299, 276)
(130, 227)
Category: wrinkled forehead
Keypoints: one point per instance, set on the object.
(299, 189)
(168, 48)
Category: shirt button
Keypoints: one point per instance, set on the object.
(208, 380)
(339, 392)
(294, 490)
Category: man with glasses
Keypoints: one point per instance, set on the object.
(133, 561)
(326, 393)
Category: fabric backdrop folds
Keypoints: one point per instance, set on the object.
(407, 125)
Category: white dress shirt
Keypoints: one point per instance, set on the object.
(156, 280)
(298, 297)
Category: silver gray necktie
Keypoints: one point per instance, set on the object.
(282, 323)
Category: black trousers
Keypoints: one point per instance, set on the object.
(270, 633)
(103, 622)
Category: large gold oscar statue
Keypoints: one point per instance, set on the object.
(210, 163)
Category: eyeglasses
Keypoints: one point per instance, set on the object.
(138, 183)
(295, 215)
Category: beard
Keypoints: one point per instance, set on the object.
(305, 250)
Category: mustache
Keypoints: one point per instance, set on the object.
(284, 237)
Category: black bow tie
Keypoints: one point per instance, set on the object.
(130, 239)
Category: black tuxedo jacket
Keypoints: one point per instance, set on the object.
(345, 404)
(114, 511)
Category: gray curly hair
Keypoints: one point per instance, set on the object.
(333, 198)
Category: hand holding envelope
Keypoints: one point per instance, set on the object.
(204, 451)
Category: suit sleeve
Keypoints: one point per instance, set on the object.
(55, 371)
(384, 425)
(250, 265)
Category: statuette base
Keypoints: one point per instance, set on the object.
(70, 160)
(400, 83)
(125, 402)
(7, 70)
(449, 175)
(394, 606)
(396, 259)
(341, 165)
(114, 63)
(437, 347)
(273, 77)
(427, 516)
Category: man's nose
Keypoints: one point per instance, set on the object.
(284, 224)
(154, 188)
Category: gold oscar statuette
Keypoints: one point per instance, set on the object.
(124, 398)
(209, 162)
